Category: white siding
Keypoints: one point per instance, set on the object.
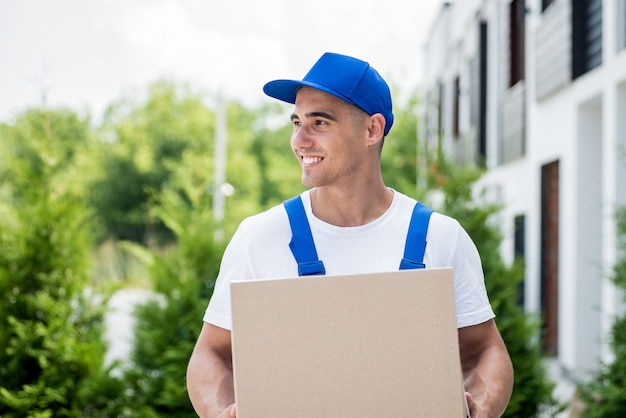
(514, 123)
(552, 49)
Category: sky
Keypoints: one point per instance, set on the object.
(86, 54)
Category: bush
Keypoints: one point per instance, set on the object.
(183, 276)
(533, 390)
(51, 348)
(605, 394)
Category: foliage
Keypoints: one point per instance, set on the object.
(261, 166)
(604, 394)
(140, 143)
(532, 393)
(183, 277)
(51, 350)
(279, 173)
(399, 157)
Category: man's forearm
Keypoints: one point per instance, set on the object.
(490, 382)
(210, 374)
(210, 386)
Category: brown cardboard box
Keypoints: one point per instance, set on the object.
(369, 345)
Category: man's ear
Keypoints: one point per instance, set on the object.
(376, 128)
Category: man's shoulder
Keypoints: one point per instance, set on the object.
(273, 214)
(438, 220)
(270, 221)
(265, 234)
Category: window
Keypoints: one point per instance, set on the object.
(440, 108)
(545, 4)
(587, 36)
(456, 114)
(550, 257)
(517, 13)
(520, 251)
(482, 106)
(621, 24)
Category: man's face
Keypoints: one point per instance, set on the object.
(328, 139)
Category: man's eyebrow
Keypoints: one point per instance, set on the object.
(321, 115)
(315, 115)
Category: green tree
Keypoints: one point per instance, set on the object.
(279, 172)
(533, 389)
(51, 348)
(139, 145)
(399, 158)
(183, 276)
(260, 165)
(604, 394)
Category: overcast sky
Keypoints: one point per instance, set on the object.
(85, 54)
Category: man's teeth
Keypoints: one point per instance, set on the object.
(311, 160)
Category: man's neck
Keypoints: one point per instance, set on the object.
(350, 207)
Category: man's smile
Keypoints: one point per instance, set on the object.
(307, 160)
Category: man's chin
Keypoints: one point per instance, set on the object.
(308, 182)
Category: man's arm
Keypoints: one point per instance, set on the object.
(487, 369)
(210, 374)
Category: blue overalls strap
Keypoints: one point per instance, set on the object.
(415, 245)
(302, 245)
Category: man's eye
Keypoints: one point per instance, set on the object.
(320, 122)
(296, 122)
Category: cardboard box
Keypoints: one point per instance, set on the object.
(368, 345)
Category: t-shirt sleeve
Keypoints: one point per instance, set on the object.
(235, 266)
(472, 302)
(449, 245)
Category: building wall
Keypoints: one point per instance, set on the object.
(552, 43)
(550, 116)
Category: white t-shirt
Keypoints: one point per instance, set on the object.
(259, 249)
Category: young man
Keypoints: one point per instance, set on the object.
(341, 115)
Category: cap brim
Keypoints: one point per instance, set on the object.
(286, 90)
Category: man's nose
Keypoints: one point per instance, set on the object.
(301, 137)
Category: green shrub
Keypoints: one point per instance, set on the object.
(533, 390)
(605, 394)
(183, 276)
(51, 348)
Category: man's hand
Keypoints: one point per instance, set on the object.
(230, 412)
(470, 405)
(487, 370)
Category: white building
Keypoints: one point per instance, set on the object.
(535, 91)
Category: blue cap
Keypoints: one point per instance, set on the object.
(347, 78)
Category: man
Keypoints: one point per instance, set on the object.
(341, 115)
